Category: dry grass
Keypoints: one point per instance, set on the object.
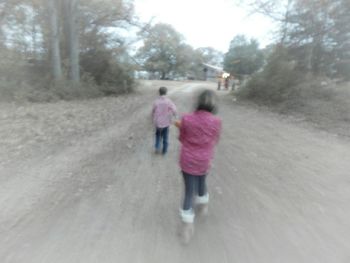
(327, 106)
(319, 101)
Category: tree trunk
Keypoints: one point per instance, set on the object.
(286, 23)
(71, 17)
(54, 41)
(162, 76)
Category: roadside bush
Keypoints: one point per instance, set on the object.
(20, 89)
(117, 80)
(276, 83)
(26, 83)
(46, 90)
(113, 77)
(23, 78)
(323, 99)
(343, 69)
(69, 90)
(281, 86)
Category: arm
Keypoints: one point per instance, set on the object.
(182, 130)
(172, 108)
(177, 123)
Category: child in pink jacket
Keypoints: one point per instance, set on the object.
(199, 133)
(162, 112)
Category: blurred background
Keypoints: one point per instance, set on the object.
(70, 49)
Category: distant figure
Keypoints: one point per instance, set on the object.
(219, 82)
(162, 112)
(199, 133)
(227, 81)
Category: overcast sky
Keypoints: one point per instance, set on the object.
(207, 22)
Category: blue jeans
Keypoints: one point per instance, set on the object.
(162, 134)
(193, 185)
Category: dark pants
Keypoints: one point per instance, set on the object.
(162, 134)
(193, 185)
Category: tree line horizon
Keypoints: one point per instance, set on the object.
(72, 42)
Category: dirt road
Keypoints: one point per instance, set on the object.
(280, 192)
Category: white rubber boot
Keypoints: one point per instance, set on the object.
(202, 204)
(187, 226)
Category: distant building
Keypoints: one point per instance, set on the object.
(212, 72)
(141, 74)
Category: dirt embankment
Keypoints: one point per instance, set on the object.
(321, 103)
(32, 128)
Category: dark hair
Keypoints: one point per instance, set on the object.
(207, 101)
(162, 91)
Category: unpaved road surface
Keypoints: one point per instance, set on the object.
(280, 190)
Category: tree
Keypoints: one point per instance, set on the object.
(104, 52)
(244, 57)
(316, 32)
(54, 40)
(18, 23)
(185, 61)
(211, 56)
(51, 37)
(341, 35)
(70, 8)
(99, 23)
(276, 10)
(161, 50)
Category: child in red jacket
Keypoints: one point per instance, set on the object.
(199, 133)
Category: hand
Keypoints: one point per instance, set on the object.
(177, 123)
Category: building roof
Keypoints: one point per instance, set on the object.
(216, 68)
